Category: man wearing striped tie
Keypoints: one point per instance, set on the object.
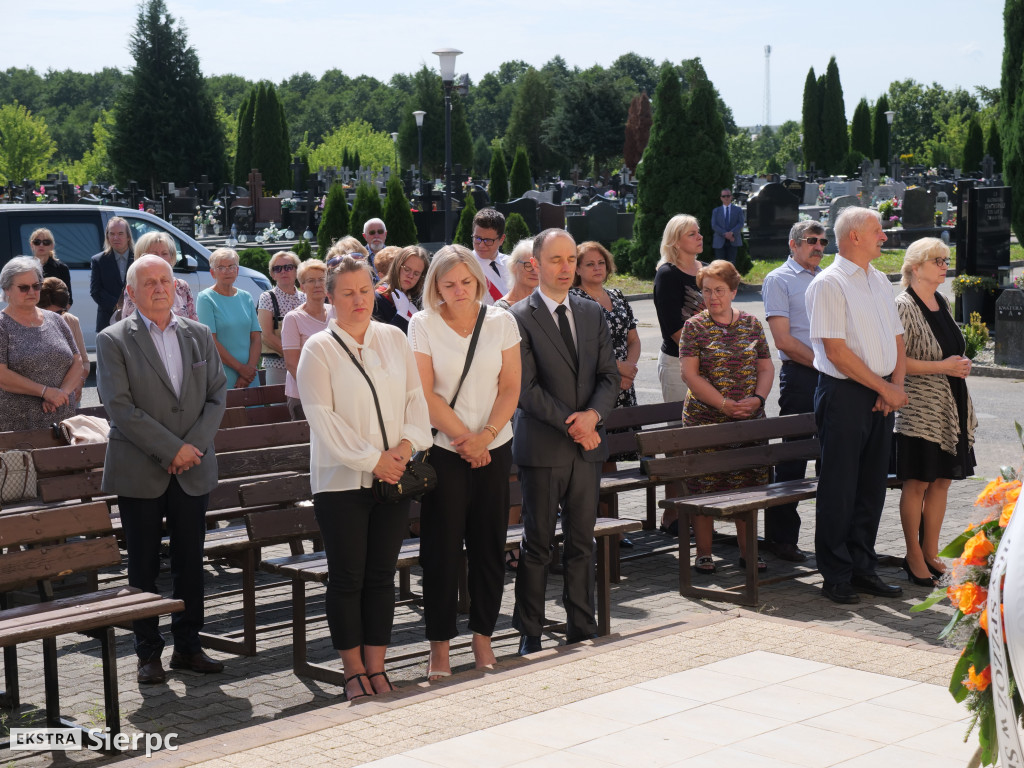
(488, 236)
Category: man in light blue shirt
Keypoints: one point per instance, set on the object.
(784, 306)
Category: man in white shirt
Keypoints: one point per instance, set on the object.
(857, 339)
(374, 233)
(488, 236)
(784, 306)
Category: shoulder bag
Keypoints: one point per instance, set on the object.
(268, 351)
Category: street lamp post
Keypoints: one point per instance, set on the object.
(447, 57)
(394, 140)
(419, 114)
(889, 115)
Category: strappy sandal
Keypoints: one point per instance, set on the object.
(362, 687)
(704, 565)
(512, 560)
(386, 680)
(762, 566)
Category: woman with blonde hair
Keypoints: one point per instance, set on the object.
(468, 358)
(935, 431)
(231, 316)
(271, 308)
(525, 277)
(160, 244)
(301, 323)
(43, 249)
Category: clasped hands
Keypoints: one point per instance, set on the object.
(53, 399)
(188, 456)
(391, 464)
(472, 447)
(741, 409)
(246, 375)
(583, 429)
(892, 398)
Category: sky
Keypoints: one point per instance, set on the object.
(940, 41)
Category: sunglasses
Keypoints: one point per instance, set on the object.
(376, 232)
(815, 240)
(39, 241)
(282, 268)
(31, 288)
(726, 197)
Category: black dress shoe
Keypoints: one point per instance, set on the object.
(788, 552)
(197, 662)
(528, 644)
(840, 593)
(927, 581)
(873, 585)
(626, 542)
(580, 638)
(151, 672)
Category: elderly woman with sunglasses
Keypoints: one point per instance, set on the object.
(271, 309)
(40, 366)
(42, 248)
(935, 431)
(231, 316)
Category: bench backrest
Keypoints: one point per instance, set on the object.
(637, 418)
(281, 525)
(741, 445)
(50, 557)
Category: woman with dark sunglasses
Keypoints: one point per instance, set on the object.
(43, 249)
(39, 362)
(271, 309)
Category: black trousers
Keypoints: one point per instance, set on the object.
(855, 443)
(471, 506)
(797, 384)
(143, 522)
(573, 487)
(362, 540)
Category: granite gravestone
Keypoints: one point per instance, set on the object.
(942, 207)
(811, 191)
(770, 215)
(796, 187)
(551, 216)
(1010, 328)
(988, 231)
(524, 207)
(601, 222)
(918, 209)
(836, 207)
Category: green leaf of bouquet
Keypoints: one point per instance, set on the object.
(937, 596)
(955, 548)
(956, 680)
(979, 650)
(951, 625)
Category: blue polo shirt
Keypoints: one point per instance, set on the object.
(783, 295)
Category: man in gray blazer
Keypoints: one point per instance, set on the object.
(570, 382)
(160, 379)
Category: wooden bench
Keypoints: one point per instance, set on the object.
(312, 567)
(38, 551)
(797, 440)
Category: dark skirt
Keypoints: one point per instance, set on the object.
(925, 461)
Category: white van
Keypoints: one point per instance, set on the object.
(78, 235)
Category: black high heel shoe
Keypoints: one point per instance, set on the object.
(927, 582)
(934, 571)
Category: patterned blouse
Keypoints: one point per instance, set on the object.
(727, 358)
(286, 302)
(184, 304)
(620, 322)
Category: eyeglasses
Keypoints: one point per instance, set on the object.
(488, 241)
(315, 281)
(30, 288)
(815, 240)
(941, 262)
(226, 268)
(410, 272)
(716, 292)
(376, 232)
(726, 197)
(282, 268)
(528, 264)
(39, 241)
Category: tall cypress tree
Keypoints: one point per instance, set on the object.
(165, 120)
(974, 146)
(860, 130)
(520, 181)
(270, 151)
(1011, 105)
(334, 223)
(464, 230)
(243, 143)
(812, 121)
(497, 189)
(835, 141)
(366, 206)
(660, 173)
(398, 220)
(994, 147)
(880, 135)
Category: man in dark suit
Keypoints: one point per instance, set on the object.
(109, 270)
(160, 379)
(727, 225)
(570, 382)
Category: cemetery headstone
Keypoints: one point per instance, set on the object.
(988, 231)
(770, 215)
(524, 207)
(988, 166)
(918, 209)
(835, 208)
(550, 216)
(810, 196)
(942, 206)
(1010, 328)
(790, 170)
(601, 221)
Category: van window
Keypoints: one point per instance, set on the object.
(140, 227)
(74, 242)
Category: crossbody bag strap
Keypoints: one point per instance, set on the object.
(469, 354)
(373, 390)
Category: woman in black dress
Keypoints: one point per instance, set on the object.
(43, 249)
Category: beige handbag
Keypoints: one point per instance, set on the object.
(84, 429)
(17, 476)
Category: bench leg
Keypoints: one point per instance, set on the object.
(750, 592)
(108, 649)
(405, 584)
(51, 685)
(604, 603)
(652, 509)
(226, 642)
(300, 663)
(11, 698)
(614, 565)
(685, 576)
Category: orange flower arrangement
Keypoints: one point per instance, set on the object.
(977, 549)
(976, 682)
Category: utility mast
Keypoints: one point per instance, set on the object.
(767, 86)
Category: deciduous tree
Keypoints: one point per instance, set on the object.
(25, 144)
(638, 130)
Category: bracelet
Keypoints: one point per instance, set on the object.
(43, 393)
(722, 406)
(759, 398)
(492, 430)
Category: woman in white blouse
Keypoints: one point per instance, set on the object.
(472, 451)
(361, 537)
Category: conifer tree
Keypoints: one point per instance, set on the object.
(464, 230)
(638, 130)
(860, 129)
(398, 220)
(516, 229)
(270, 148)
(243, 145)
(1011, 105)
(334, 223)
(974, 146)
(497, 189)
(812, 121)
(835, 141)
(520, 181)
(880, 135)
(994, 147)
(366, 206)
